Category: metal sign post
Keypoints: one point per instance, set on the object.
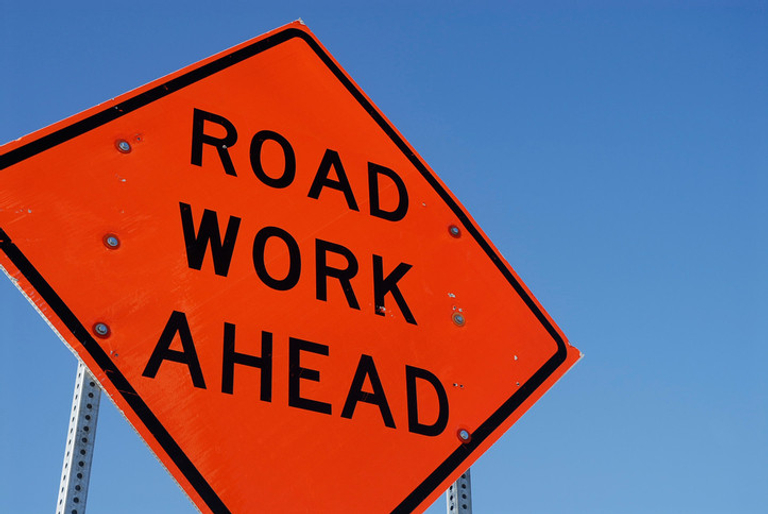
(80, 438)
(458, 497)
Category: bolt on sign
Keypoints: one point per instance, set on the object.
(273, 287)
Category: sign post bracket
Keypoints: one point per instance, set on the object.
(78, 453)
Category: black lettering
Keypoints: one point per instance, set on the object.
(374, 171)
(196, 244)
(414, 425)
(330, 160)
(177, 324)
(222, 145)
(366, 368)
(383, 285)
(297, 374)
(231, 357)
(289, 172)
(344, 275)
(294, 256)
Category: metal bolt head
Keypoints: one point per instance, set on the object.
(454, 231)
(111, 241)
(458, 319)
(463, 435)
(101, 329)
(123, 146)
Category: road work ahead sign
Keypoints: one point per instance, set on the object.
(279, 294)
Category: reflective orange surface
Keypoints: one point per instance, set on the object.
(348, 318)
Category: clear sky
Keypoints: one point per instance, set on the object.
(615, 153)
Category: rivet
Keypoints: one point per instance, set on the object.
(101, 330)
(454, 231)
(123, 146)
(463, 435)
(111, 241)
(458, 319)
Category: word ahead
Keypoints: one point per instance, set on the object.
(366, 369)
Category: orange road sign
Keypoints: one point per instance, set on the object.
(283, 299)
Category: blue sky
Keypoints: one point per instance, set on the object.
(616, 155)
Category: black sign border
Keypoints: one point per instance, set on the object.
(102, 359)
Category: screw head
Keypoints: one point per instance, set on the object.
(123, 146)
(101, 330)
(458, 319)
(454, 231)
(111, 241)
(463, 435)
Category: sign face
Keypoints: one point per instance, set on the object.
(282, 298)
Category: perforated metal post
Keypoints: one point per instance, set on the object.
(78, 454)
(458, 497)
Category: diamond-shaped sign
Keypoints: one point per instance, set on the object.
(283, 299)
